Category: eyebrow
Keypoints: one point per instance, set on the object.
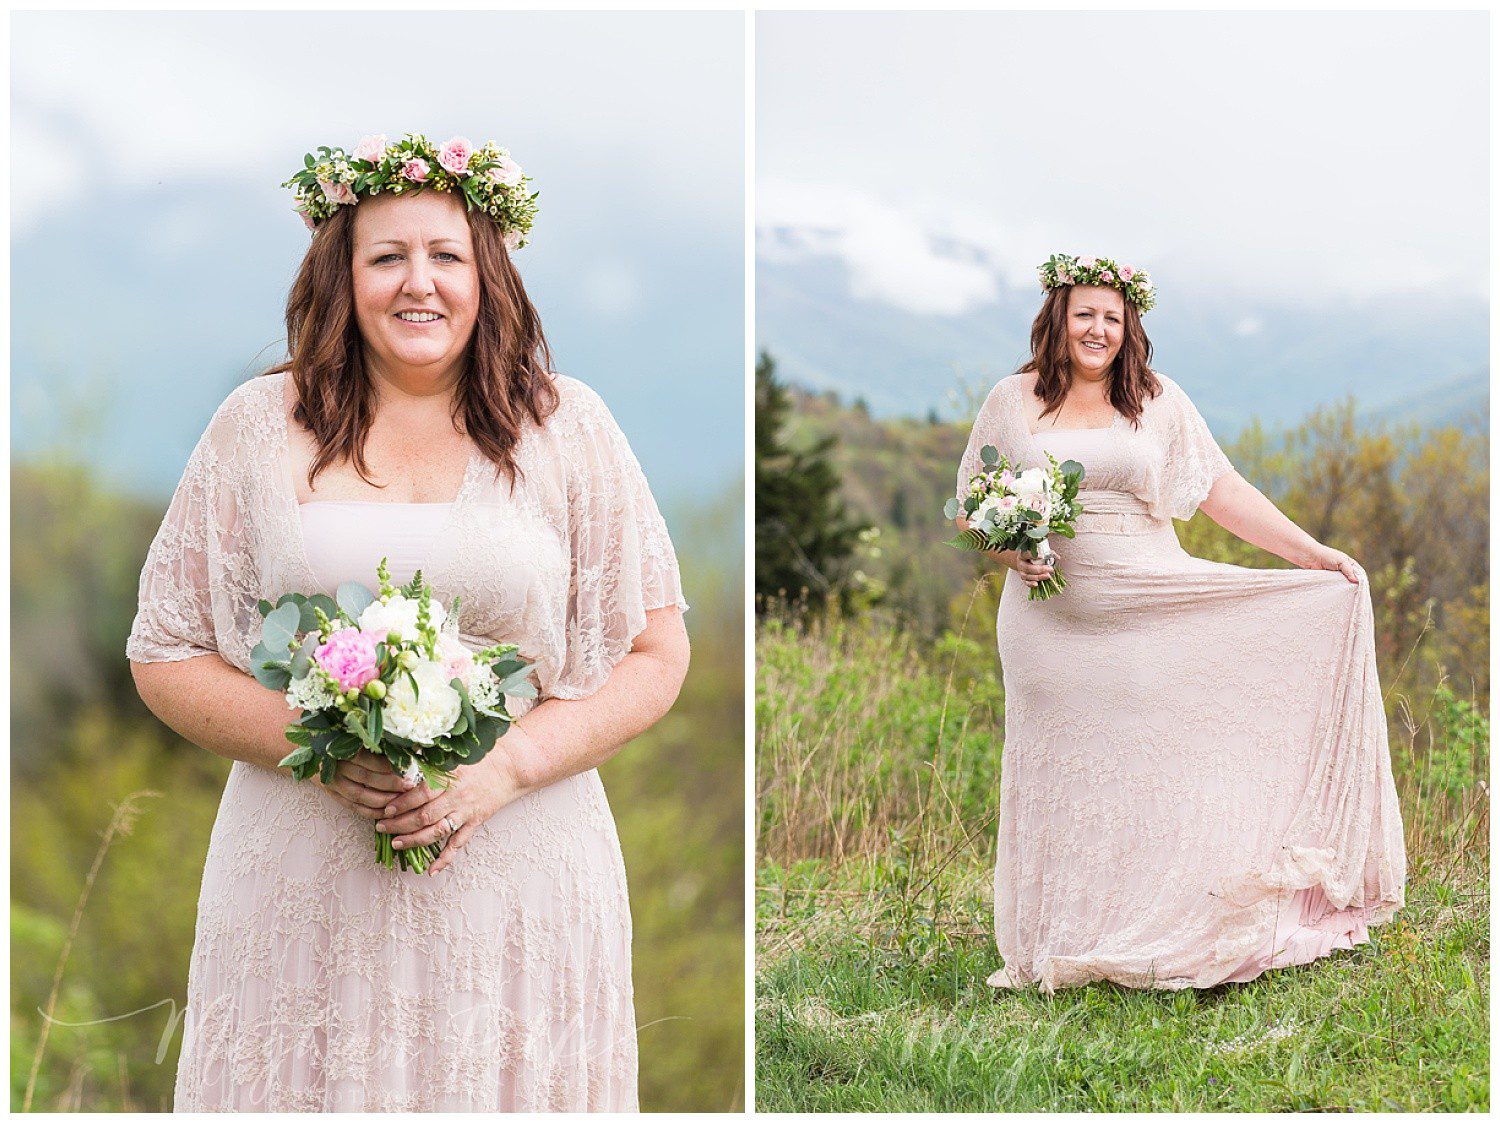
(399, 242)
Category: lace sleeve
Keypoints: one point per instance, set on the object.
(990, 428)
(623, 564)
(178, 614)
(1194, 460)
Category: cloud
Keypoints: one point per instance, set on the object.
(891, 256)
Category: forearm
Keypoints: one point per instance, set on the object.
(1240, 508)
(217, 707)
(562, 737)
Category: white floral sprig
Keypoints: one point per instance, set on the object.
(1063, 269)
(487, 177)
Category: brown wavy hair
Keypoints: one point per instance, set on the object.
(1131, 380)
(507, 365)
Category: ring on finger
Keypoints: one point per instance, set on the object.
(452, 824)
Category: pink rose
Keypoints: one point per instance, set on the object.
(1106, 276)
(457, 660)
(1127, 273)
(506, 172)
(416, 169)
(307, 220)
(1087, 262)
(349, 656)
(1007, 477)
(512, 241)
(1065, 278)
(455, 153)
(370, 148)
(1007, 503)
(337, 192)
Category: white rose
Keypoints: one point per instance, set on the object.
(400, 615)
(423, 717)
(990, 504)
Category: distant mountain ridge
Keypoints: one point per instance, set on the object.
(1424, 356)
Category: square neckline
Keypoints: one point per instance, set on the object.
(294, 506)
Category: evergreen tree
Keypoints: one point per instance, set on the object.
(804, 538)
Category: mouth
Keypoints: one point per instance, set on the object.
(419, 319)
(1090, 345)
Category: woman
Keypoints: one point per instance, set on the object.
(1196, 783)
(416, 419)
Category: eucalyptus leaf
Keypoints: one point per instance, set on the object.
(354, 598)
(990, 455)
(280, 628)
(950, 509)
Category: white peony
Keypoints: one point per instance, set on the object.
(1031, 481)
(400, 615)
(422, 717)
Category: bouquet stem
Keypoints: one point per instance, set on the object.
(415, 860)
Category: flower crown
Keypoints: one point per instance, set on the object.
(488, 178)
(1062, 269)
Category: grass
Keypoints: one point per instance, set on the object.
(877, 777)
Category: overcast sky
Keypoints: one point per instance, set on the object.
(1286, 155)
(175, 130)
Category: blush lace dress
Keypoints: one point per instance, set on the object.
(1196, 783)
(320, 981)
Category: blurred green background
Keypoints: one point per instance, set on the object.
(83, 743)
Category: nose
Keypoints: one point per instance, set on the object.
(418, 284)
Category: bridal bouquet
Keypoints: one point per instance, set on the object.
(385, 672)
(1010, 510)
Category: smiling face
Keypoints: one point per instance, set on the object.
(416, 287)
(1096, 328)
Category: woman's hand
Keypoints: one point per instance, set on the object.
(475, 792)
(1326, 557)
(365, 784)
(1031, 571)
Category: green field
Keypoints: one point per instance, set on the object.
(877, 779)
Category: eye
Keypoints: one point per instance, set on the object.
(385, 257)
(445, 253)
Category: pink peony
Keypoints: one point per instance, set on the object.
(1127, 273)
(337, 192)
(506, 171)
(416, 169)
(454, 155)
(370, 148)
(349, 656)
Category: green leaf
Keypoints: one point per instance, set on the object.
(271, 673)
(296, 757)
(377, 722)
(990, 456)
(950, 509)
(302, 659)
(280, 628)
(354, 598)
(299, 735)
(970, 539)
(264, 607)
